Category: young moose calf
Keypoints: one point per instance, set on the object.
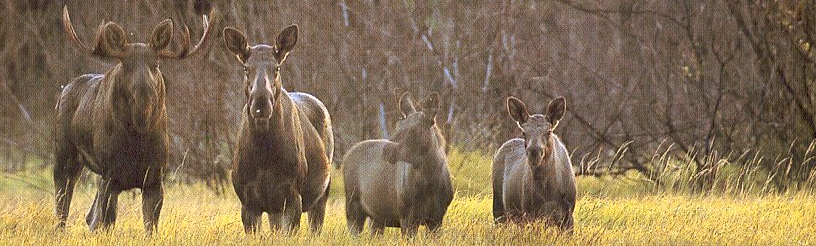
(532, 176)
(403, 181)
(115, 124)
(285, 144)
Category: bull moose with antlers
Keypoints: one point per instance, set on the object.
(115, 124)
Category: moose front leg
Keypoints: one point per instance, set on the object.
(251, 218)
(152, 201)
(292, 209)
(66, 173)
(377, 228)
(567, 224)
(275, 221)
(434, 225)
(408, 226)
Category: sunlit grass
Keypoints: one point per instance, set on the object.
(609, 212)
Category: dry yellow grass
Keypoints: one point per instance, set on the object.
(609, 212)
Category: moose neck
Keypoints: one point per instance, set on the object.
(544, 180)
(544, 171)
(432, 141)
(424, 148)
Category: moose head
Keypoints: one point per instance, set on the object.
(537, 129)
(416, 133)
(261, 64)
(136, 86)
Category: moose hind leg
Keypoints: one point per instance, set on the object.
(92, 211)
(499, 214)
(66, 173)
(355, 216)
(318, 211)
(103, 211)
(152, 201)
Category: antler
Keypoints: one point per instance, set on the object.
(185, 50)
(69, 28)
(109, 41)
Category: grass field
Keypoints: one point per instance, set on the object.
(609, 212)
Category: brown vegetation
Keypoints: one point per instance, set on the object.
(699, 80)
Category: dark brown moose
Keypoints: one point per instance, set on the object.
(115, 124)
(532, 176)
(402, 181)
(285, 144)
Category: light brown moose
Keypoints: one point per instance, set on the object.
(402, 181)
(532, 176)
(285, 144)
(115, 124)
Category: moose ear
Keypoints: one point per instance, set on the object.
(236, 43)
(390, 152)
(406, 105)
(517, 110)
(110, 41)
(285, 42)
(555, 110)
(162, 34)
(431, 104)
